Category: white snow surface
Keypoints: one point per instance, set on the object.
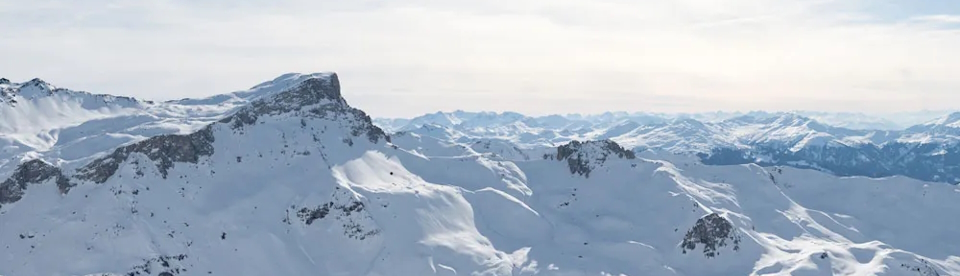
(298, 195)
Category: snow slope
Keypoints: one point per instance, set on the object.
(297, 182)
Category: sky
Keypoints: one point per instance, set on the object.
(405, 58)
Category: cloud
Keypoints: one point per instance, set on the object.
(525, 55)
(938, 18)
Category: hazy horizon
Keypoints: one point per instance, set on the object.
(894, 120)
(538, 57)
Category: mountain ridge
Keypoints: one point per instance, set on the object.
(858, 121)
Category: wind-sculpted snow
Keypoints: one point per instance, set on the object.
(306, 185)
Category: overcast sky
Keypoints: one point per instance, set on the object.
(402, 58)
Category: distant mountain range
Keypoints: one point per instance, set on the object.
(926, 151)
(891, 121)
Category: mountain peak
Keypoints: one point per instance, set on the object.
(294, 78)
(307, 92)
(317, 96)
(687, 122)
(952, 119)
(263, 90)
(38, 83)
(30, 89)
(943, 123)
(298, 90)
(313, 98)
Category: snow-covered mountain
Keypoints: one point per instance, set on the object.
(925, 151)
(35, 114)
(289, 179)
(849, 120)
(63, 125)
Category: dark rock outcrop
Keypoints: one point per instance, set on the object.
(309, 215)
(348, 212)
(579, 155)
(32, 172)
(163, 149)
(713, 232)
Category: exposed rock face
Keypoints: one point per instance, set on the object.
(164, 150)
(31, 172)
(349, 213)
(310, 215)
(313, 98)
(581, 156)
(713, 232)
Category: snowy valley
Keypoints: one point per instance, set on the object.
(287, 178)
